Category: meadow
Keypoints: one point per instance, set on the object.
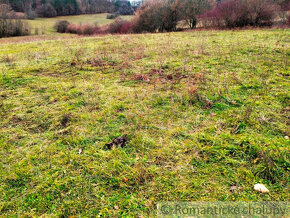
(47, 24)
(205, 114)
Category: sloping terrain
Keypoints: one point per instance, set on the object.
(205, 116)
(47, 24)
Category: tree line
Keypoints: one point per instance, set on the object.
(52, 8)
(181, 8)
(165, 15)
(151, 15)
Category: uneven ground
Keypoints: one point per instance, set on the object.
(206, 114)
(47, 24)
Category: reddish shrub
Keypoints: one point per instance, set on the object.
(126, 28)
(72, 28)
(85, 29)
(119, 26)
(88, 29)
(285, 5)
(211, 18)
(240, 13)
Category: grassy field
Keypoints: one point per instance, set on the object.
(206, 115)
(48, 23)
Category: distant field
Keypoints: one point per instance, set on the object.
(206, 114)
(48, 23)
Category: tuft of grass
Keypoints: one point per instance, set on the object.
(203, 112)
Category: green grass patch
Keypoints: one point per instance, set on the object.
(203, 111)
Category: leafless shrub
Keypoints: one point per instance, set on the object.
(241, 13)
(9, 25)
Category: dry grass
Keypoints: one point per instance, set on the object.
(202, 112)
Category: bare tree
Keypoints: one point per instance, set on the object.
(191, 8)
(9, 26)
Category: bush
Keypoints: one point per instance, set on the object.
(6, 12)
(72, 28)
(61, 26)
(12, 27)
(85, 29)
(119, 26)
(126, 27)
(88, 29)
(157, 15)
(285, 5)
(112, 16)
(241, 13)
(147, 19)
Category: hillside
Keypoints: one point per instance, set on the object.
(48, 23)
(202, 111)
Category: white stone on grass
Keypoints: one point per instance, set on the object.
(261, 188)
